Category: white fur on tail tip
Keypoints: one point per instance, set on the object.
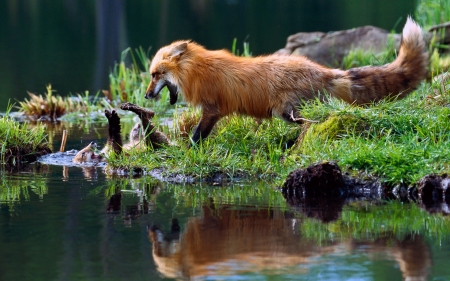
(412, 30)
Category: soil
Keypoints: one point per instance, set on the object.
(16, 156)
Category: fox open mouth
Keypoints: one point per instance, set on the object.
(173, 91)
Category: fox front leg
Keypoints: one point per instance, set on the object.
(205, 126)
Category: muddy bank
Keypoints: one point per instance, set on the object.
(16, 156)
(325, 184)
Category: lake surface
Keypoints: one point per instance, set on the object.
(76, 223)
(73, 44)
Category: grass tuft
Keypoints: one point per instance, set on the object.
(18, 141)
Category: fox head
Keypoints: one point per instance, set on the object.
(164, 62)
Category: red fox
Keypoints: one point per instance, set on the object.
(276, 85)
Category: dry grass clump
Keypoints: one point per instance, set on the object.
(51, 107)
(186, 121)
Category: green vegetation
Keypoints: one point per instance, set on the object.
(128, 84)
(52, 107)
(17, 140)
(432, 12)
(238, 146)
(399, 141)
(361, 57)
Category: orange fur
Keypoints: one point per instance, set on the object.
(277, 85)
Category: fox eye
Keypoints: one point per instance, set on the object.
(157, 73)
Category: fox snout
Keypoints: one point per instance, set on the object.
(157, 85)
(151, 93)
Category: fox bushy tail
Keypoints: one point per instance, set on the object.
(396, 79)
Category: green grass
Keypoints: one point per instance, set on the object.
(399, 141)
(238, 146)
(432, 12)
(128, 81)
(15, 136)
(361, 57)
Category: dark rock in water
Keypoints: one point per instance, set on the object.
(327, 180)
(321, 180)
(434, 193)
(321, 190)
(432, 188)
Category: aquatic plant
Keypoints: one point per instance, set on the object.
(51, 107)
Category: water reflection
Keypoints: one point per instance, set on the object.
(142, 199)
(228, 241)
(208, 232)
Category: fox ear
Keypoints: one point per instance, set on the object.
(178, 50)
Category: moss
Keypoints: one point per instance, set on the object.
(333, 127)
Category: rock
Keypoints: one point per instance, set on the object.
(434, 188)
(329, 49)
(321, 180)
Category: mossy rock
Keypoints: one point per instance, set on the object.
(332, 128)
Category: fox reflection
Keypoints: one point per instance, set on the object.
(228, 241)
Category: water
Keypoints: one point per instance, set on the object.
(73, 44)
(73, 223)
